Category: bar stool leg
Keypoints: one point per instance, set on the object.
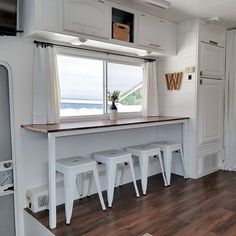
(69, 185)
(88, 183)
(133, 176)
(80, 184)
(182, 159)
(143, 163)
(120, 174)
(97, 182)
(168, 164)
(111, 178)
(162, 169)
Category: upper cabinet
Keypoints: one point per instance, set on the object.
(41, 15)
(102, 21)
(211, 61)
(156, 34)
(212, 35)
(48, 19)
(89, 17)
(151, 32)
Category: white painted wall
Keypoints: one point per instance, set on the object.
(182, 102)
(31, 149)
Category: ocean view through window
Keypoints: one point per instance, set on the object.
(84, 82)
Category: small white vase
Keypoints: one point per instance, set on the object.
(113, 114)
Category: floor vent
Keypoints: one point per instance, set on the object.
(210, 162)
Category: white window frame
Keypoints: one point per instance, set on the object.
(106, 57)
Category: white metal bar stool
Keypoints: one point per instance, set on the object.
(167, 149)
(144, 152)
(71, 168)
(111, 159)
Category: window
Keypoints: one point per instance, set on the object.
(128, 79)
(84, 82)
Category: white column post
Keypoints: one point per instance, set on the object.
(52, 180)
(185, 147)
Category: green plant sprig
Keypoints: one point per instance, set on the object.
(114, 95)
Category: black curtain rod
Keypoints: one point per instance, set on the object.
(46, 44)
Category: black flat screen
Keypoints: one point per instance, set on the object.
(8, 17)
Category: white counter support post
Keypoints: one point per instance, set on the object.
(52, 180)
(185, 146)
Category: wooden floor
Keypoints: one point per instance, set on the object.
(206, 206)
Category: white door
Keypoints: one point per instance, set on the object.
(151, 32)
(89, 17)
(211, 111)
(212, 61)
(7, 222)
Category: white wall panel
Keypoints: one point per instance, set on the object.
(182, 102)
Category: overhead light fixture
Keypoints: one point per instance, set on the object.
(78, 41)
(214, 20)
(158, 3)
(143, 53)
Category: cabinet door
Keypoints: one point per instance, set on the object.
(48, 15)
(211, 111)
(212, 35)
(170, 38)
(212, 61)
(90, 17)
(151, 32)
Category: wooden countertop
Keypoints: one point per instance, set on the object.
(82, 125)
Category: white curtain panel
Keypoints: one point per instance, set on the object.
(230, 102)
(150, 92)
(46, 89)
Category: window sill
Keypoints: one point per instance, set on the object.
(99, 117)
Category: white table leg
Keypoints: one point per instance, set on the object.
(52, 181)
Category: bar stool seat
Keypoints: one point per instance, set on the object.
(144, 152)
(71, 168)
(111, 159)
(167, 148)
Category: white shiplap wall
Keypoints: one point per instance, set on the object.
(182, 102)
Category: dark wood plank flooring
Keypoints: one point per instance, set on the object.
(206, 206)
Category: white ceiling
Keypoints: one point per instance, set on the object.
(186, 9)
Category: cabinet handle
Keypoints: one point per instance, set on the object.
(201, 73)
(200, 81)
(101, 1)
(213, 42)
(154, 45)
